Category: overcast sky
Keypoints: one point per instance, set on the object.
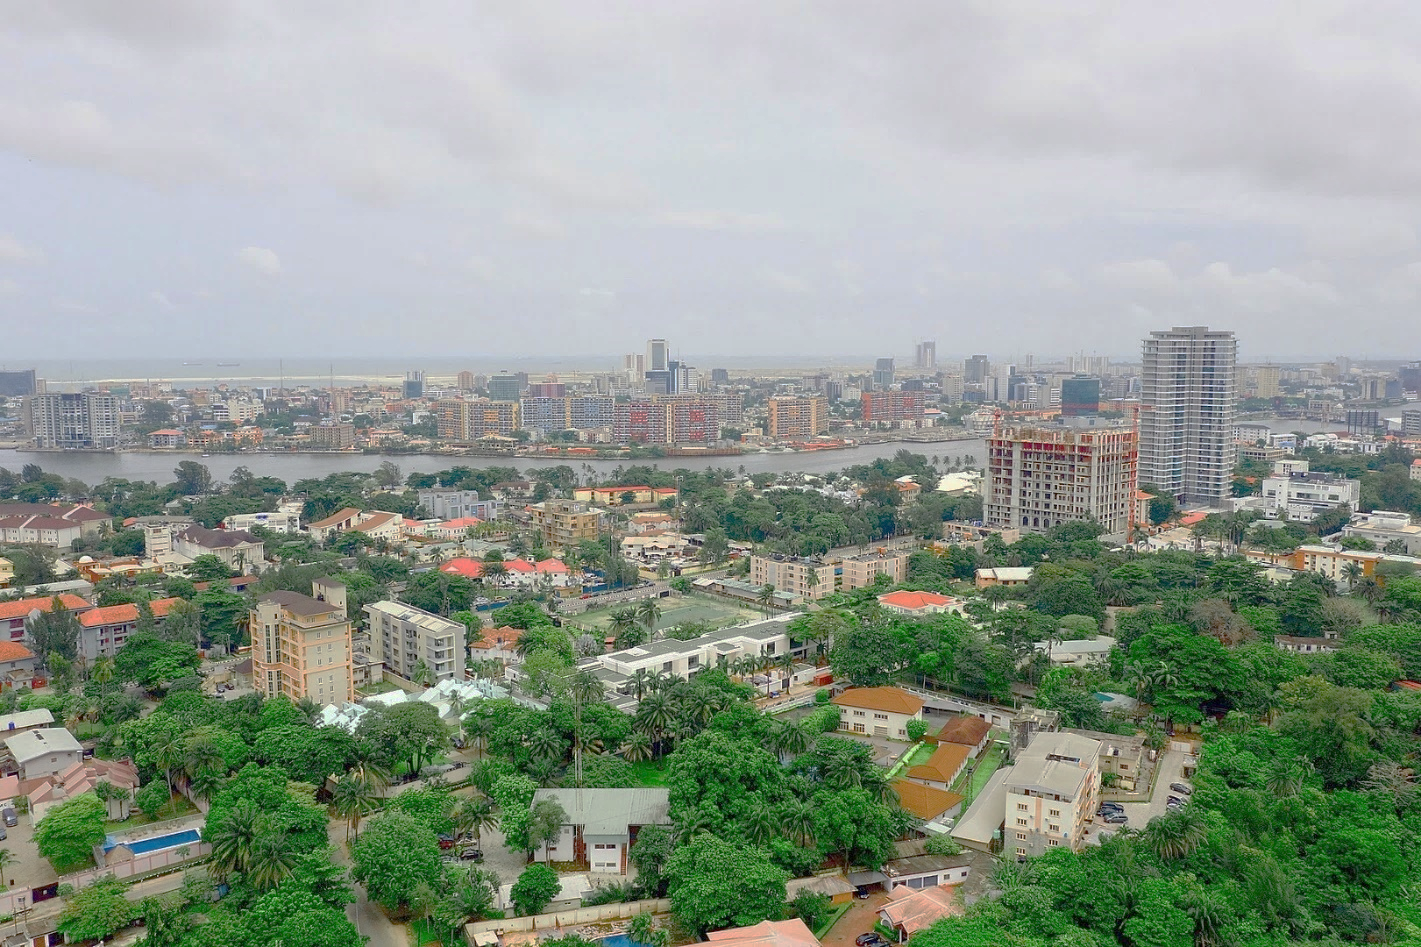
(351, 177)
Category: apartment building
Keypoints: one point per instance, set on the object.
(1040, 477)
(1385, 526)
(464, 420)
(807, 579)
(301, 647)
(286, 519)
(403, 638)
(797, 416)
(1301, 496)
(1051, 791)
(667, 420)
(82, 420)
(238, 550)
(891, 406)
(13, 613)
(1188, 396)
(339, 436)
(457, 504)
(567, 412)
(565, 523)
(862, 571)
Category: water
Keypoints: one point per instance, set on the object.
(159, 842)
(620, 940)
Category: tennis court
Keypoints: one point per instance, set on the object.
(676, 609)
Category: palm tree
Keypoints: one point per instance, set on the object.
(7, 861)
(654, 716)
(546, 744)
(168, 751)
(640, 680)
(760, 824)
(637, 748)
(422, 675)
(233, 838)
(766, 597)
(1175, 835)
(623, 625)
(473, 815)
(270, 862)
(798, 823)
(1288, 778)
(352, 796)
(647, 612)
(1394, 780)
(1352, 572)
(102, 674)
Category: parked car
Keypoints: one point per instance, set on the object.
(1112, 805)
(3, 834)
(1115, 818)
(471, 855)
(869, 940)
(445, 841)
(10, 816)
(1184, 788)
(1174, 802)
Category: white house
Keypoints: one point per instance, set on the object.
(44, 752)
(602, 824)
(878, 711)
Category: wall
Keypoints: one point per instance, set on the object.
(541, 922)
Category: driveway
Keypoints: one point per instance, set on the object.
(859, 920)
(1170, 769)
(30, 870)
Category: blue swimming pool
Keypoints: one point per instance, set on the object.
(157, 843)
(620, 940)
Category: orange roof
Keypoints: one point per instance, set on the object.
(916, 909)
(943, 765)
(1189, 519)
(520, 565)
(109, 615)
(966, 730)
(22, 607)
(915, 599)
(468, 568)
(160, 606)
(551, 565)
(490, 638)
(14, 651)
(890, 699)
(463, 522)
(925, 802)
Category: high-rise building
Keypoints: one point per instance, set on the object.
(403, 637)
(925, 356)
(1265, 381)
(883, 374)
(798, 416)
(563, 524)
(1363, 421)
(465, 420)
(720, 376)
(72, 420)
(465, 381)
(301, 648)
(546, 389)
(574, 412)
(673, 419)
(1188, 401)
(976, 370)
(891, 406)
(505, 386)
(658, 355)
(18, 384)
(1080, 396)
(413, 388)
(1041, 477)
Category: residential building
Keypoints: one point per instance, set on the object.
(878, 711)
(624, 495)
(791, 933)
(167, 439)
(1085, 652)
(911, 910)
(102, 631)
(1051, 791)
(567, 412)
(1003, 575)
(465, 420)
(25, 720)
(925, 802)
(563, 524)
(52, 531)
(14, 613)
(920, 604)
(863, 570)
(286, 519)
(83, 420)
(808, 579)
(793, 416)
(17, 667)
(668, 420)
(1265, 381)
(324, 529)
(1300, 645)
(91, 522)
(43, 752)
(375, 524)
(1188, 399)
(602, 824)
(966, 730)
(1121, 756)
(1383, 527)
(7, 572)
(301, 647)
(1301, 496)
(337, 436)
(457, 504)
(1040, 477)
(1416, 469)
(891, 407)
(942, 768)
(81, 777)
(410, 641)
(239, 551)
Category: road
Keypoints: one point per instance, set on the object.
(365, 914)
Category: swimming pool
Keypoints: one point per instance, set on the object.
(157, 843)
(620, 940)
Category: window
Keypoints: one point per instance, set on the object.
(1056, 812)
(1020, 851)
(1021, 807)
(880, 716)
(858, 713)
(1021, 836)
(858, 728)
(1053, 841)
(1020, 821)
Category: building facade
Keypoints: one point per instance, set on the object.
(563, 524)
(1051, 792)
(1040, 477)
(862, 571)
(82, 420)
(890, 407)
(797, 416)
(548, 413)
(1188, 400)
(1301, 496)
(301, 648)
(809, 579)
(403, 638)
(457, 504)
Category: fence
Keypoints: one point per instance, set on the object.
(540, 922)
(576, 606)
(140, 865)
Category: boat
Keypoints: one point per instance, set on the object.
(192, 363)
(228, 364)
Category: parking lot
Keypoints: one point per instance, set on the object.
(1171, 770)
(29, 869)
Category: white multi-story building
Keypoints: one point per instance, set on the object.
(1188, 400)
(1301, 496)
(809, 579)
(286, 519)
(73, 420)
(1050, 793)
(1385, 526)
(457, 504)
(1040, 477)
(402, 637)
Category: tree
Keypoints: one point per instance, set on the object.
(54, 632)
(192, 478)
(867, 654)
(154, 795)
(545, 823)
(69, 831)
(514, 795)
(184, 623)
(654, 845)
(96, 911)
(405, 733)
(353, 797)
(713, 883)
(208, 568)
(387, 475)
(534, 889)
(393, 857)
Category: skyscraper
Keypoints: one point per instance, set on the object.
(658, 355)
(1188, 396)
(976, 370)
(925, 356)
(883, 374)
(73, 420)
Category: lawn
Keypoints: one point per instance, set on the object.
(987, 764)
(916, 756)
(176, 807)
(424, 932)
(678, 609)
(649, 773)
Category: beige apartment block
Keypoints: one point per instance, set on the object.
(301, 648)
(565, 523)
(403, 637)
(1050, 793)
(809, 579)
(862, 571)
(797, 416)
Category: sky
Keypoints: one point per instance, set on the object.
(362, 178)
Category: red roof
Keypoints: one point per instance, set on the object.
(14, 651)
(552, 565)
(109, 615)
(520, 565)
(463, 522)
(914, 600)
(1189, 519)
(490, 638)
(160, 606)
(468, 568)
(24, 606)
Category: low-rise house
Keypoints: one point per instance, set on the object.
(497, 644)
(1122, 756)
(17, 667)
(24, 721)
(167, 439)
(765, 638)
(464, 566)
(916, 909)
(926, 802)
(380, 526)
(1299, 645)
(920, 604)
(878, 711)
(13, 614)
(1384, 526)
(966, 730)
(322, 530)
(1086, 652)
(942, 768)
(834, 887)
(239, 550)
(602, 824)
(7, 572)
(1003, 575)
(790, 933)
(43, 752)
(80, 778)
(286, 519)
(917, 872)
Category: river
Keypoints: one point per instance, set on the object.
(92, 468)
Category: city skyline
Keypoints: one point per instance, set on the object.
(521, 179)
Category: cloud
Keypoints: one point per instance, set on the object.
(1152, 277)
(784, 282)
(8, 287)
(260, 259)
(535, 225)
(481, 268)
(727, 220)
(161, 298)
(13, 251)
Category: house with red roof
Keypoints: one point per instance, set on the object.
(13, 614)
(102, 631)
(918, 604)
(17, 664)
(464, 566)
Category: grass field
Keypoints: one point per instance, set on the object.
(916, 756)
(649, 772)
(678, 609)
(986, 766)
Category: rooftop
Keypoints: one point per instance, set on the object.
(968, 730)
(610, 811)
(925, 802)
(943, 765)
(890, 699)
(916, 600)
(916, 909)
(791, 933)
(22, 607)
(33, 744)
(298, 604)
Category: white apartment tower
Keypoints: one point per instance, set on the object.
(1188, 397)
(658, 355)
